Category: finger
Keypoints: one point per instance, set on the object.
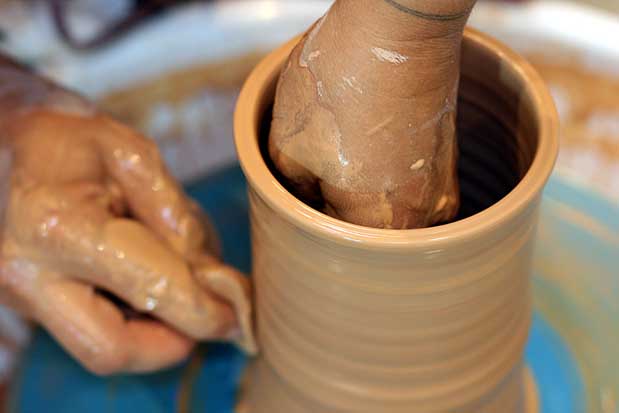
(236, 289)
(79, 237)
(94, 331)
(166, 286)
(157, 344)
(18, 284)
(154, 197)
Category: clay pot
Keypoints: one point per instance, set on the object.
(355, 319)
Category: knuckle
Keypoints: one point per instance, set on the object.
(28, 208)
(149, 149)
(18, 282)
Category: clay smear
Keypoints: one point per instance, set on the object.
(308, 54)
(418, 165)
(353, 84)
(389, 56)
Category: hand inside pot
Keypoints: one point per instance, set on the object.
(364, 117)
(86, 205)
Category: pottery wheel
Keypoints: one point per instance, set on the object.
(572, 351)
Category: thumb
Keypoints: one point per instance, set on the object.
(234, 288)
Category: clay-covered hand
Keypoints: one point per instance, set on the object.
(86, 205)
(364, 116)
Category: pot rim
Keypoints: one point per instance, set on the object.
(247, 122)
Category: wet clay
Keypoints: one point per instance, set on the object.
(90, 204)
(365, 112)
(353, 319)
